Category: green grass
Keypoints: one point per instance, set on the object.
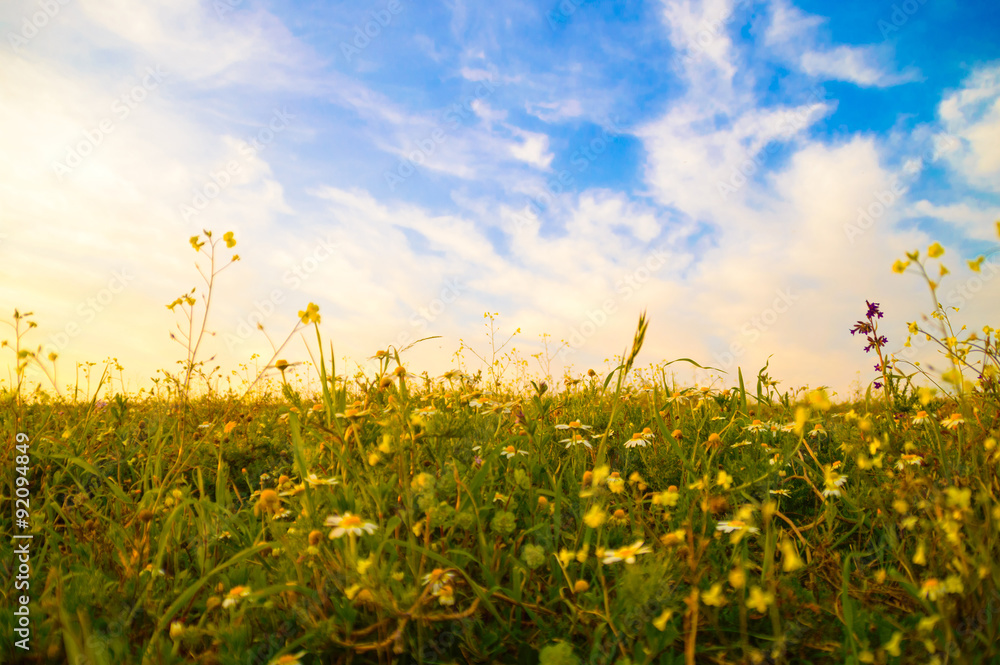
(183, 528)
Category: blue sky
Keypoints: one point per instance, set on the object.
(410, 167)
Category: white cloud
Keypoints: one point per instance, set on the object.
(972, 113)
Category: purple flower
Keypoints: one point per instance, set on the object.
(878, 385)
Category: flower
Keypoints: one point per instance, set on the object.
(780, 492)
(953, 421)
(724, 479)
(639, 439)
(269, 502)
(905, 460)
(348, 523)
(735, 525)
(235, 594)
(920, 418)
(595, 517)
(935, 250)
(577, 439)
(316, 481)
(714, 596)
(832, 481)
(628, 553)
(660, 622)
(755, 426)
(438, 578)
(511, 451)
(817, 431)
(230, 239)
(932, 588)
(310, 314)
(288, 659)
(574, 424)
(759, 600)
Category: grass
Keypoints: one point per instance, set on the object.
(617, 519)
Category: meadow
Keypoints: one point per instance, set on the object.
(611, 517)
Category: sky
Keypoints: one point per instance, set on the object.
(744, 171)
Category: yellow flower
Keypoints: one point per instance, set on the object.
(235, 594)
(230, 426)
(660, 622)
(958, 498)
(289, 659)
(595, 517)
(935, 250)
(892, 646)
(790, 559)
(310, 314)
(932, 589)
(268, 502)
(600, 473)
(196, 243)
(900, 266)
(230, 239)
(580, 586)
(759, 600)
(954, 420)
(724, 480)
(627, 553)
(737, 578)
(920, 558)
(714, 596)
(348, 523)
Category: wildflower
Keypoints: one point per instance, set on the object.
(615, 483)
(724, 480)
(580, 586)
(638, 439)
(953, 421)
(892, 646)
(348, 523)
(759, 600)
(447, 595)
(674, 538)
(438, 578)
(510, 451)
(577, 439)
(817, 431)
(790, 559)
(289, 659)
(931, 589)
(755, 426)
(176, 629)
(906, 460)
(737, 578)
(660, 622)
(595, 517)
(677, 434)
(735, 525)
(832, 481)
(713, 440)
(628, 553)
(574, 424)
(235, 594)
(534, 556)
(714, 596)
(310, 314)
(781, 492)
(935, 250)
(566, 556)
(268, 502)
(920, 418)
(920, 557)
(230, 426)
